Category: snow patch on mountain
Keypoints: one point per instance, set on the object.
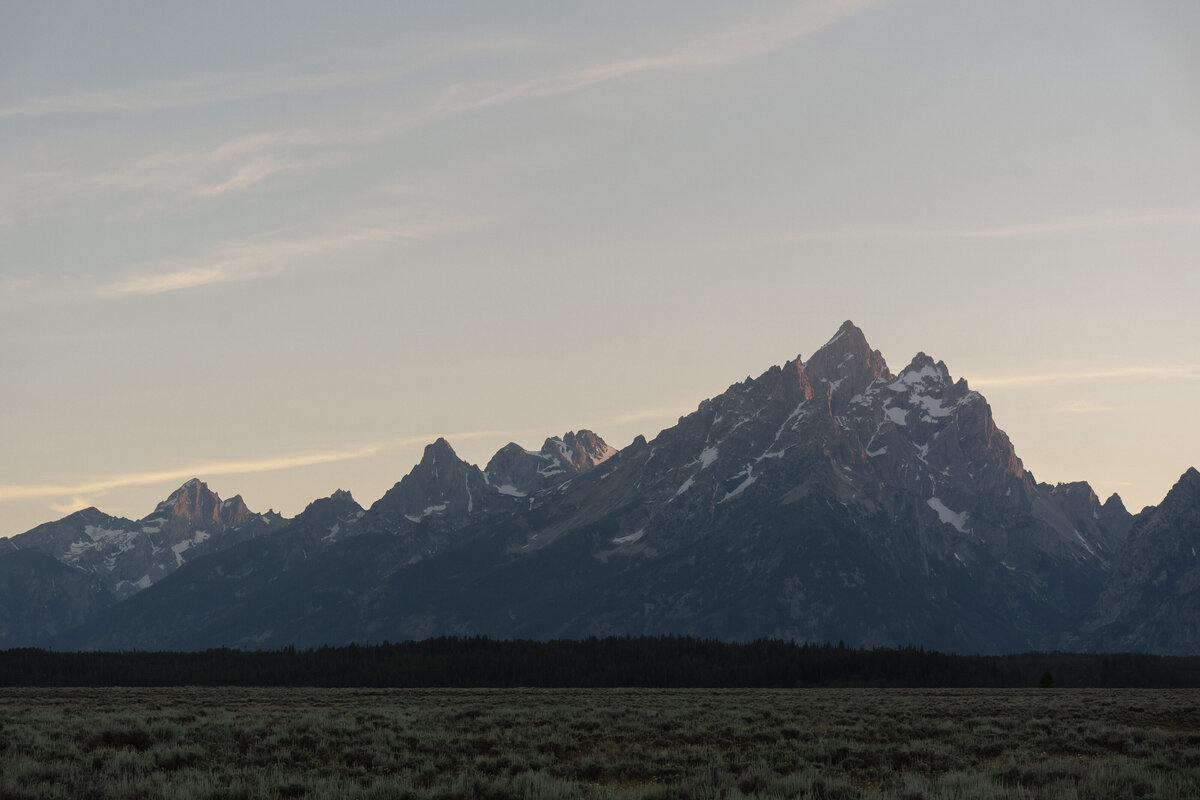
(741, 487)
(631, 538)
(956, 519)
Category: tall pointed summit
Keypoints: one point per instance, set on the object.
(846, 365)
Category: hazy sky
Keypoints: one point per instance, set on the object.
(281, 246)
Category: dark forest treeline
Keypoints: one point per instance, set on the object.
(664, 661)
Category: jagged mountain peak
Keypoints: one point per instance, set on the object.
(849, 341)
(91, 514)
(846, 365)
(442, 488)
(1149, 601)
(234, 511)
(848, 331)
(438, 449)
(517, 472)
(1114, 504)
(192, 501)
(1185, 492)
(330, 512)
(1077, 489)
(822, 499)
(581, 449)
(439, 464)
(923, 369)
(340, 499)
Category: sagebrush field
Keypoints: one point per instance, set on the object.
(636, 743)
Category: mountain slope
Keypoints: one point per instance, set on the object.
(102, 559)
(825, 499)
(128, 556)
(41, 597)
(1151, 600)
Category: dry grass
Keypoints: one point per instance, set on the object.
(290, 743)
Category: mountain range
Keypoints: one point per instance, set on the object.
(827, 499)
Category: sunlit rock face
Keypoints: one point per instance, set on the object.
(518, 472)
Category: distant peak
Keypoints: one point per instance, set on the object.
(1077, 489)
(1114, 503)
(1190, 479)
(581, 449)
(848, 327)
(438, 449)
(848, 341)
(190, 485)
(1185, 491)
(334, 504)
(923, 369)
(234, 511)
(193, 501)
(849, 331)
(846, 364)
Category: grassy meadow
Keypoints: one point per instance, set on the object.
(603, 743)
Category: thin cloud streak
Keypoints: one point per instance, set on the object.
(244, 162)
(103, 485)
(708, 52)
(1162, 371)
(1134, 220)
(1063, 226)
(193, 93)
(191, 171)
(251, 260)
(757, 38)
(1083, 407)
(248, 174)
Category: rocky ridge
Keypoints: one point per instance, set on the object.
(826, 499)
(128, 556)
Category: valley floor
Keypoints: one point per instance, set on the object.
(614, 743)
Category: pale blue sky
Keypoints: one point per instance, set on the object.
(283, 245)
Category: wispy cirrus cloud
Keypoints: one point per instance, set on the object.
(1083, 407)
(173, 173)
(1158, 371)
(764, 33)
(257, 259)
(141, 181)
(198, 92)
(80, 494)
(248, 174)
(190, 93)
(1138, 220)
(1120, 221)
(757, 36)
